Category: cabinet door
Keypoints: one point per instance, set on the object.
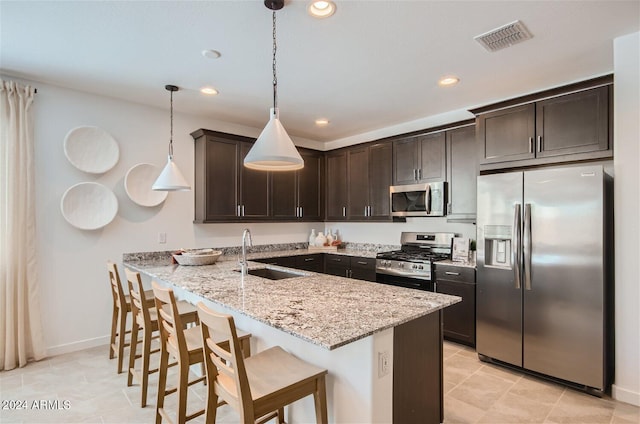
(459, 320)
(221, 196)
(380, 178)
(336, 189)
(313, 262)
(283, 195)
(337, 265)
(358, 183)
(432, 157)
(254, 189)
(310, 187)
(363, 268)
(575, 123)
(462, 172)
(507, 134)
(405, 161)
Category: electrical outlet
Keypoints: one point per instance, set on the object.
(162, 238)
(383, 364)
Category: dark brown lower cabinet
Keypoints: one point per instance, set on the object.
(417, 371)
(459, 320)
(356, 267)
(313, 262)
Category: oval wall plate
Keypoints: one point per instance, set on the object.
(138, 182)
(91, 149)
(89, 206)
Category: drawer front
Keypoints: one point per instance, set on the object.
(455, 273)
(363, 263)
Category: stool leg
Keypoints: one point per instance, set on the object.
(211, 406)
(146, 356)
(122, 323)
(183, 388)
(280, 419)
(114, 326)
(162, 383)
(320, 399)
(133, 344)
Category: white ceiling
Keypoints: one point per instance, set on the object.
(372, 65)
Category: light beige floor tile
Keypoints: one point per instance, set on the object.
(627, 412)
(481, 390)
(575, 407)
(500, 372)
(457, 368)
(512, 408)
(538, 390)
(458, 411)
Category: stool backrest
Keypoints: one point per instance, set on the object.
(139, 309)
(225, 368)
(116, 286)
(169, 322)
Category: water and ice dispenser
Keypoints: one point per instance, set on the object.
(497, 246)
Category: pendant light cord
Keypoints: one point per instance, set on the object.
(275, 78)
(171, 134)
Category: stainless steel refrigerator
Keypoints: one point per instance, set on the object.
(544, 261)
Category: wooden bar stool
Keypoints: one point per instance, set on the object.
(258, 387)
(121, 308)
(145, 319)
(186, 347)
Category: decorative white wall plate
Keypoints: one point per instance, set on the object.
(89, 206)
(138, 182)
(91, 149)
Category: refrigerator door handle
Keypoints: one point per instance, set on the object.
(515, 249)
(527, 246)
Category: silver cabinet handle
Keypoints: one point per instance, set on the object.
(301, 212)
(365, 211)
(370, 211)
(344, 211)
(238, 211)
(415, 174)
(527, 246)
(346, 273)
(309, 259)
(530, 144)
(419, 174)
(515, 248)
(242, 210)
(362, 262)
(539, 143)
(452, 273)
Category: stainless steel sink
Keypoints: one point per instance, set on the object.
(272, 274)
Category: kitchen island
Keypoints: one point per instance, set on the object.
(382, 345)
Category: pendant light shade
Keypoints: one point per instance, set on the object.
(171, 179)
(274, 150)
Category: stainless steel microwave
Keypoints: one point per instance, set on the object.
(426, 199)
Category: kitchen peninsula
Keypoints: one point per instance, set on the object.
(382, 345)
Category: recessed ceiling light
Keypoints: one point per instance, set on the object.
(322, 122)
(209, 91)
(211, 54)
(448, 81)
(321, 9)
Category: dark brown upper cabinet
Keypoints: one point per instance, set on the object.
(226, 191)
(336, 186)
(570, 123)
(462, 170)
(369, 178)
(419, 159)
(298, 195)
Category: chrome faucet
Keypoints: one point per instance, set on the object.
(243, 261)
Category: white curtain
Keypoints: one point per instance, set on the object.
(20, 325)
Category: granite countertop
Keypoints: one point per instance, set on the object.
(449, 262)
(325, 310)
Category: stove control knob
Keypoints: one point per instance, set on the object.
(420, 267)
(401, 265)
(414, 266)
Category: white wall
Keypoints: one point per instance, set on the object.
(627, 217)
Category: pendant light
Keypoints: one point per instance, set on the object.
(171, 179)
(274, 150)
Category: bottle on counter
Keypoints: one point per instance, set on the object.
(320, 239)
(312, 238)
(330, 238)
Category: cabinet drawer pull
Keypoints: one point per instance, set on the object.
(452, 273)
(336, 259)
(309, 259)
(363, 263)
(344, 211)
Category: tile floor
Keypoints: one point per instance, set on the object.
(89, 391)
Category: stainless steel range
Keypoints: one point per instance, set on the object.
(411, 266)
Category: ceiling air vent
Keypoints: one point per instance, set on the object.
(503, 37)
